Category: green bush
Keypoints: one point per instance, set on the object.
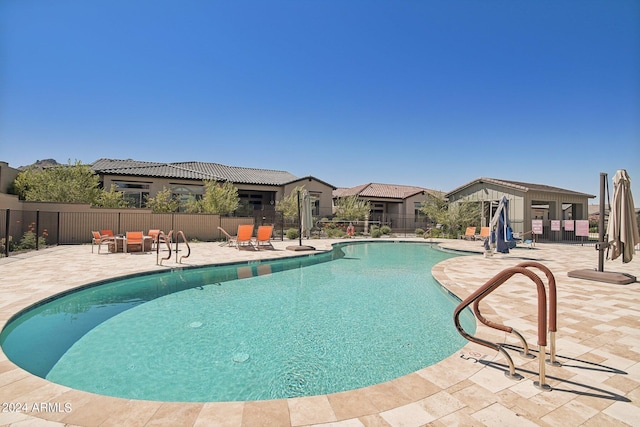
(334, 233)
(3, 248)
(376, 233)
(28, 241)
(292, 234)
(419, 231)
(435, 232)
(385, 229)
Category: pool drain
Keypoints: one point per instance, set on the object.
(195, 325)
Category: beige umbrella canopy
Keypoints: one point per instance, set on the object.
(622, 229)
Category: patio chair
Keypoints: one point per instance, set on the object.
(154, 236)
(230, 240)
(245, 233)
(529, 241)
(263, 236)
(470, 234)
(101, 239)
(134, 239)
(485, 232)
(166, 237)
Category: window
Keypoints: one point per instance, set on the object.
(315, 204)
(417, 213)
(182, 193)
(136, 193)
(251, 199)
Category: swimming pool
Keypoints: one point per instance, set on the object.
(359, 315)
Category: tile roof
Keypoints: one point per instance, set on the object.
(521, 186)
(381, 191)
(192, 170)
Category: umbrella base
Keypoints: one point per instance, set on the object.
(301, 248)
(603, 276)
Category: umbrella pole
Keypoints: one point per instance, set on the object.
(299, 221)
(601, 243)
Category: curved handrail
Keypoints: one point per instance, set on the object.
(508, 329)
(552, 312)
(161, 237)
(551, 283)
(491, 285)
(184, 239)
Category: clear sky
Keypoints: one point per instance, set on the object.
(425, 93)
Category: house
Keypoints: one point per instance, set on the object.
(7, 176)
(395, 205)
(258, 189)
(527, 202)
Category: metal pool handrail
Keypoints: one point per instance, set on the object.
(161, 237)
(491, 285)
(552, 312)
(184, 239)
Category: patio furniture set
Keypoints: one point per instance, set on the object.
(131, 241)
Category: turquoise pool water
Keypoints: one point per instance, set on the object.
(360, 315)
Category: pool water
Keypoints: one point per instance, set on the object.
(360, 315)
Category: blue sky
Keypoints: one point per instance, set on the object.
(425, 93)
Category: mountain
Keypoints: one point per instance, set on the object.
(40, 164)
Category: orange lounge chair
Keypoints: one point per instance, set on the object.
(101, 239)
(230, 240)
(470, 234)
(245, 233)
(485, 232)
(263, 236)
(134, 239)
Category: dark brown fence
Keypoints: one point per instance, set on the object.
(20, 228)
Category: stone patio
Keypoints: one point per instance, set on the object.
(598, 345)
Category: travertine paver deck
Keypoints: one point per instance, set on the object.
(598, 345)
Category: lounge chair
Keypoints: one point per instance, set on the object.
(100, 239)
(263, 236)
(230, 240)
(166, 237)
(485, 232)
(470, 234)
(154, 236)
(134, 239)
(529, 241)
(245, 233)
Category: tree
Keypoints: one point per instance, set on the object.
(288, 206)
(112, 199)
(219, 198)
(72, 183)
(454, 217)
(352, 208)
(192, 205)
(164, 202)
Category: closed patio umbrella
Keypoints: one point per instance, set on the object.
(306, 217)
(622, 229)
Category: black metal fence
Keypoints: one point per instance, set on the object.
(28, 230)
